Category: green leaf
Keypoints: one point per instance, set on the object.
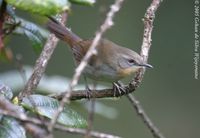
(49, 84)
(34, 33)
(83, 2)
(5, 91)
(47, 107)
(42, 7)
(11, 128)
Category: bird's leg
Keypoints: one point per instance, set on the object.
(118, 88)
(88, 90)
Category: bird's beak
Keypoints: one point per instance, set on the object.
(146, 65)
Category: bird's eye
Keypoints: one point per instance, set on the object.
(131, 61)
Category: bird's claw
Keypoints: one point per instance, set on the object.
(118, 89)
(88, 92)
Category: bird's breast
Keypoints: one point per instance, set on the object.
(102, 73)
(125, 72)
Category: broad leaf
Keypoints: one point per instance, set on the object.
(47, 107)
(11, 128)
(43, 7)
(33, 32)
(86, 2)
(5, 91)
(48, 85)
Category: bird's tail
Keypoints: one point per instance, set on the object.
(62, 32)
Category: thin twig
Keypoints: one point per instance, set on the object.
(91, 109)
(36, 131)
(83, 132)
(146, 43)
(106, 25)
(148, 27)
(91, 114)
(9, 109)
(90, 117)
(140, 111)
(41, 63)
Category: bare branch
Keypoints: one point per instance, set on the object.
(84, 131)
(140, 111)
(41, 63)
(9, 109)
(92, 50)
(33, 124)
(81, 94)
(146, 44)
(148, 27)
(90, 118)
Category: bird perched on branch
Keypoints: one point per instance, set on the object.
(111, 63)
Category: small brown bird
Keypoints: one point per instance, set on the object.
(112, 62)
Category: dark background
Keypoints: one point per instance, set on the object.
(169, 92)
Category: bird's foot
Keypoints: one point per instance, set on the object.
(88, 92)
(118, 89)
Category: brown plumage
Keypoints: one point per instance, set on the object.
(112, 62)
